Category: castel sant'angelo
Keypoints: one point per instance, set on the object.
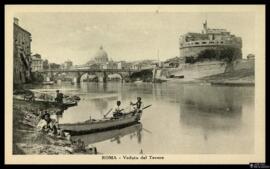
(192, 44)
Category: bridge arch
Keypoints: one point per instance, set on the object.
(115, 76)
(145, 75)
(86, 75)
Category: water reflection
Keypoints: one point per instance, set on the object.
(101, 104)
(211, 107)
(183, 118)
(134, 131)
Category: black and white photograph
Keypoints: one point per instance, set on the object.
(134, 83)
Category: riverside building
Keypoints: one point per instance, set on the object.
(21, 54)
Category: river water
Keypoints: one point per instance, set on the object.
(183, 118)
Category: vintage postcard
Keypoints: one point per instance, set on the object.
(134, 84)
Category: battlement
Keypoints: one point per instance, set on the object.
(208, 37)
(198, 43)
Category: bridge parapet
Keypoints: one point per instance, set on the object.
(77, 73)
(89, 70)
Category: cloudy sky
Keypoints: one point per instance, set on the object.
(125, 36)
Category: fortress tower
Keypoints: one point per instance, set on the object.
(192, 44)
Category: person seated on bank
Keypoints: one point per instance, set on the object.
(59, 97)
(118, 110)
(138, 105)
(47, 125)
(43, 124)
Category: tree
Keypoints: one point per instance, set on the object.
(54, 66)
(208, 54)
(227, 54)
(45, 64)
(190, 59)
(37, 77)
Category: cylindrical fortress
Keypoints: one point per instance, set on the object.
(217, 40)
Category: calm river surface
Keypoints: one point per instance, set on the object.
(183, 118)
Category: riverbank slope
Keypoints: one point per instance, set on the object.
(238, 77)
(26, 140)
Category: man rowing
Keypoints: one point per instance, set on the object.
(118, 110)
(138, 105)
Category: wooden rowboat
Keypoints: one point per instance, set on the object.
(111, 134)
(48, 83)
(66, 103)
(91, 126)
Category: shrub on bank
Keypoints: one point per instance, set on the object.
(227, 54)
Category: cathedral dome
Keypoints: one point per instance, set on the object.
(101, 56)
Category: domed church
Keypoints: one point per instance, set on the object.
(101, 60)
(101, 56)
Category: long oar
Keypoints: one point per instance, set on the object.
(147, 131)
(146, 107)
(108, 113)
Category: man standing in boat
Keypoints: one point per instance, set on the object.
(118, 110)
(138, 105)
(59, 97)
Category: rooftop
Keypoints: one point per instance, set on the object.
(16, 25)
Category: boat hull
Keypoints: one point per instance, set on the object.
(101, 125)
(65, 104)
(109, 135)
(48, 83)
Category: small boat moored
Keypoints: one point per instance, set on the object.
(46, 99)
(90, 126)
(48, 83)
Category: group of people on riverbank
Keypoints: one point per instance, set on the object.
(51, 127)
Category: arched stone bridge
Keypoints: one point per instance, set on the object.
(76, 74)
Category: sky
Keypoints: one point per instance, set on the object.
(126, 36)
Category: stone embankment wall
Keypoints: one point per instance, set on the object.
(244, 64)
(191, 71)
(198, 70)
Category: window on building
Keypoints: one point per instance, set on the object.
(197, 43)
(203, 42)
